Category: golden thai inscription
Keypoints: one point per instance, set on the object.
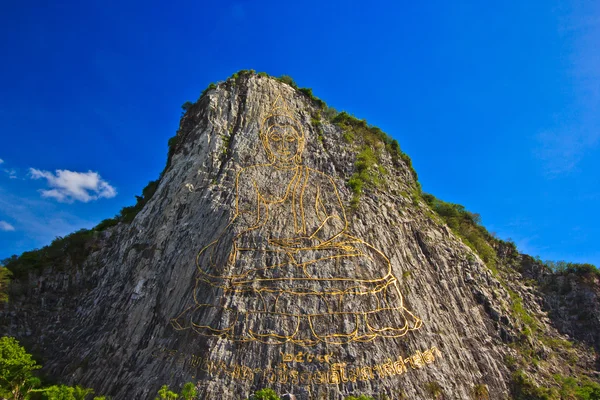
(286, 269)
(333, 372)
(308, 357)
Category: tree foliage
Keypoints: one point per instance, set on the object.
(81, 392)
(466, 225)
(189, 391)
(60, 392)
(165, 394)
(186, 106)
(265, 394)
(18, 382)
(16, 370)
(564, 267)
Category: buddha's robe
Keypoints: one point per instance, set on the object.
(286, 269)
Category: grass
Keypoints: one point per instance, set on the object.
(365, 174)
(434, 390)
(466, 225)
(564, 387)
(520, 313)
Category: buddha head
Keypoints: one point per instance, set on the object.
(282, 136)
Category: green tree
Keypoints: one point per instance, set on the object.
(60, 392)
(165, 394)
(287, 79)
(265, 394)
(189, 391)
(81, 393)
(16, 370)
(361, 397)
(186, 106)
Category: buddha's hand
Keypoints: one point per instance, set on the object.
(296, 243)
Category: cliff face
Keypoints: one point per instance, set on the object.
(254, 264)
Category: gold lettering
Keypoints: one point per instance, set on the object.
(366, 373)
(339, 369)
(353, 374)
(270, 375)
(195, 360)
(410, 362)
(337, 373)
(388, 368)
(305, 378)
(379, 371)
(399, 366)
(418, 359)
(246, 374)
(294, 377)
(320, 377)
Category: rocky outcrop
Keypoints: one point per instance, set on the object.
(377, 298)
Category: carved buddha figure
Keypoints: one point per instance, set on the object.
(285, 269)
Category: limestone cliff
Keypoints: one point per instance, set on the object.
(287, 248)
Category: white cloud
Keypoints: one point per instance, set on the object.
(68, 186)
(5, 226)
(1, 161)
(39, 220)
(12, 173)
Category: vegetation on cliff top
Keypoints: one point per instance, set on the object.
(467, 226)
(582, 388)
(76, 246)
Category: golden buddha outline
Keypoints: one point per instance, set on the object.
(284, 270)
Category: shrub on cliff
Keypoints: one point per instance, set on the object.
(581, 269)
(127, 214)
(165, 394)
(288, 80)
(76, 246)
(265, 394)
(18, 382)
(466, 225)
(186, 106)
(64, 392)
(189, 391)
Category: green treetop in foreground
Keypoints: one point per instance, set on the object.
(18, 382)
(16, 370)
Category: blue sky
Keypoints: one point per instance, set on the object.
(497, 104)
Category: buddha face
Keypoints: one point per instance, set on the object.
(283, 142)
